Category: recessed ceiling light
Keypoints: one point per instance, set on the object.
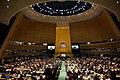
(117, 1)
(7, 6)
(8, 0)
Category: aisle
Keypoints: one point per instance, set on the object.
(63, 73)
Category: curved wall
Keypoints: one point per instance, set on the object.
(96, 29)
(26, 30)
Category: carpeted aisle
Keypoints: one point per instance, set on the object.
(63, 73)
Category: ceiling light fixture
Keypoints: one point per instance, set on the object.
(64, 8)
(7, 6)
(117, 1)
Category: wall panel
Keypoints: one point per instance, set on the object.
(96, 29)
(38, 32)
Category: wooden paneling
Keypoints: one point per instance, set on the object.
(11, 32)
(96, 29)
(21, 47)
(37, 32)
(31, 31)
(117, 45)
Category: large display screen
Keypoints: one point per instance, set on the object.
(75, 46)
(51, 47)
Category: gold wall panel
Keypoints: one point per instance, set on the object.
(63, 42)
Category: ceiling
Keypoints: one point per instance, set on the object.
(92, 12)
(9, 8)
(64, 8)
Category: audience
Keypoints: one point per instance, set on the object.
(92, 69)
(37, 68)
(32, 68)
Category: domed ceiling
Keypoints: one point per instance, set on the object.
(64, 8)
(62, 12)
(9, 8)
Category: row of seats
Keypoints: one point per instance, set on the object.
(32, 68)
(92, 69)
(38, 68)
